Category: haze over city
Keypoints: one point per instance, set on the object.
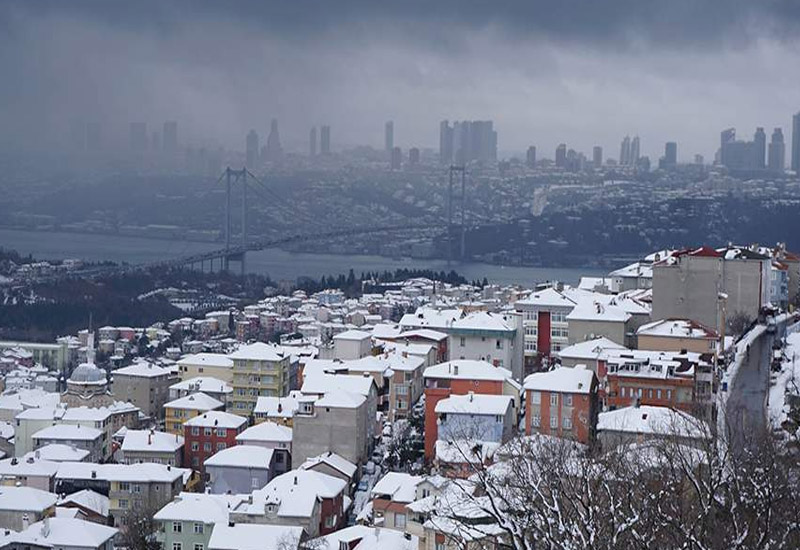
(545, 72)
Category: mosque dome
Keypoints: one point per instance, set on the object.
(88, 373)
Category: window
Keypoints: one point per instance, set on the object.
(330, 521)
(124, 486)
(207, 447)
(439, 546)
(279, 458)
(553, 399)
(198, 528)
(498, 344)
(536, 397)
(222, 432)
(536, 421)
(198, 546)
(176, 546)
(669, 394)
(568, 400)
(195, 445)
(400, 404)
(195, 430)
(207, 431)
(137, 488)
(566, 422)
(650, 394)
(221, 446)
(123, 504)
(177, 527)
(255, 483)
(401, 390)
(658, 394)
(463, 342)
(400, 521)
(640, 392)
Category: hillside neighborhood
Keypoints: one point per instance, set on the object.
(420, 415)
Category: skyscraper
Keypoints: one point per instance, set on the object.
(760, 148)
(389, 137)
(312, 142)
(445, 142)
(625, 151)
(397, 158)
(413, 156)
(170, 138)
(530, 157)
(796, 143)
(561, 155)
(138, 137)
(597, 156)
(325, 140)
(726, 137)
(252, 148)
(634, 151)
(777, 151)
(274, 149)
(670, 154)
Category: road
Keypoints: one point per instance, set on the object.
(746, 409)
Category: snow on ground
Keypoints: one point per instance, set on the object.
(788, 378)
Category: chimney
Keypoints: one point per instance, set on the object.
(455, 370)
(150, 438)
(280, 407)
(471, 396)
(295, 480)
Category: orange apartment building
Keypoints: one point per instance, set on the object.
(562, 402)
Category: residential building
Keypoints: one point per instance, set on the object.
(320, 385)
(352, 344)
(182, 409)
(590, 319)
(273, 436)
(187, 522)
(213, 387)
(333, 465)
(361, 537)
(677, 335)
(21, 506)
(459, 378)
(64, 534)
(544, 320)
(214, 365)
(242, 536)
(300, 498)
(145, 385)
(28, 472)
(562, 402)
(259, 370)
(277, 409)
(151, 446)
(207, 434)
(640, 424)
(93, 506)
(239, 469)
(89, 439)
(588, 352)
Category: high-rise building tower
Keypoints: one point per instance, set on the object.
(760, 148)
(389, 136)
(796, 143)
(138, 137)
(777, 151)
(445, 142)
(312, 142)
(634, 151)
(274, 150)
(325, 140)
(397, 158)
(561, 155)
(170, 137)
(726, 137)
(530, 157)
(597, 156)
(670, 154)
(413, 156)
(625, 151)
(252, 148)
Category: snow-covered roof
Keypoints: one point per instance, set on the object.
(473, 403)
(652, 420)
(216, 360)
(88, 499)
(251, 536)
(60, 532)
(25, 499)
(368, 538)
(594, 310)
(202, 384)
(294, 493)
(576, 379)
(259, 351)
(141, 369)
(68, 432)
(195, 402)
(352, 335)
(398, 486)
(464, 451)
(277, 407)
(468, 369)
(589, 349)
(485, 320)
(242, 456)
(341, 400)
(200, 507)
(11, 468)
(266, 432)
(58, 452)
(547, 298)
(318, 384)
(151, 441)
(333, 460)
(640, 270)
(216, 419)
(677, 328)
(144, 472)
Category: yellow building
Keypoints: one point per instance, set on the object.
(214, 365)
(259, 370)
(182, 409)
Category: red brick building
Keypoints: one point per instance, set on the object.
(459, 378)
(208, 433)
(562, 402)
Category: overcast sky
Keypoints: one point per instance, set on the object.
(546, 72)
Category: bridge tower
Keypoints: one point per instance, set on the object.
(235, 178)
(454, 173)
